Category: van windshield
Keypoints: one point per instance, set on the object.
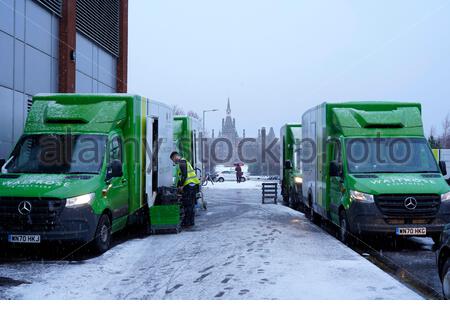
(390, 155)
(58, 154)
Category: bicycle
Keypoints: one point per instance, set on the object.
(208, 179)
(200, 195)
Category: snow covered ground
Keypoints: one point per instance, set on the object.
(251, 184)
(240, 249)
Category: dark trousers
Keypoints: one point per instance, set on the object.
(188, 200)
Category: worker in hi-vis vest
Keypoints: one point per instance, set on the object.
(188, 184)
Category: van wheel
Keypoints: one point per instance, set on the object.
(344, 234)
(286, 200)
(243, 179)
(102, 239)
(146, 223)
(293, 200)
(436, 239)
(446, 279)
(315, 218)
(221, 180)
(309, 210)
(312, 215)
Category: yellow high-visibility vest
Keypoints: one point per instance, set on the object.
(191, 174)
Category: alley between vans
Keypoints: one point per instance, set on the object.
(239, 249)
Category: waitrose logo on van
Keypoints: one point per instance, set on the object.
(403, 181)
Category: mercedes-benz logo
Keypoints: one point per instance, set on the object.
(24, 208)
(411, 203)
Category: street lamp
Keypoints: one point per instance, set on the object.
(203, 142)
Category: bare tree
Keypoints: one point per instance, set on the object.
(433, 139)
(178, 111)
(433, 131)
(446, 132)
(194, 115)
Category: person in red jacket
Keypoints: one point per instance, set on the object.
(238, 173)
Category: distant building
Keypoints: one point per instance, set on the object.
(58, 46)
(226, 146)
(266, 164)
(227, 141)
(229, 126)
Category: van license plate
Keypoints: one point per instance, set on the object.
(12, 238)
(411, 231)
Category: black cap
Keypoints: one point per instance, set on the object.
(174, 154)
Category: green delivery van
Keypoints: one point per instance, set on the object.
(291, 175)
(85, 167)
(188, 141)
(187, 135)
(368, 168)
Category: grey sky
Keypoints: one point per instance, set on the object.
(275, 59)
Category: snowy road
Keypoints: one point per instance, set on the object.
(414, 258)
(239, 250)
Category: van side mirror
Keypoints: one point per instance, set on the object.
(443, 167)
(288, 165)
(2, 163)
(114, 170)
(335, 169)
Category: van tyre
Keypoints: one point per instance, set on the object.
(293, 203)
(102, 239)
(286, 200)
(344, 233)
(221, 180)
(436, 239)
(309, 210)
(315, 218)
(311, 214)
(446, 279)
(146, 223)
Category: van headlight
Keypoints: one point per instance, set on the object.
(361, 196)
(80, 200)
(298, 180)
(445, 197)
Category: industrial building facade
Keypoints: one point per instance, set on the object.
(58, 46)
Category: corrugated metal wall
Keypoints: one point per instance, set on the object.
(28, 62)
(97, 24)
(98, 20)
(54, 6)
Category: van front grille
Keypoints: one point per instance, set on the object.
(395, 205)
(39, 212)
